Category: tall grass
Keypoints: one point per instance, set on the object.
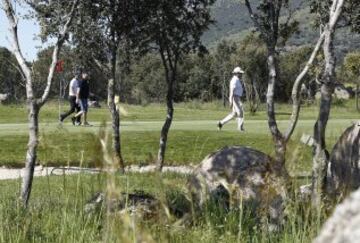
(56, 214)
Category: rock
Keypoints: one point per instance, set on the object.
(95, 203)
(313, 88)
(304, 194)
(304, 92)
(94, 104)
(343, 225)
(307, 140)
(4, 98)
(351, 91)
(343, 170)
(140, 204)
(340, 92)
(244, 175)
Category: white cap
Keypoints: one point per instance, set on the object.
(238, 70)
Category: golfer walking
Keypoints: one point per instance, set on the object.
(74, 107)
(82, 96)
(235, 93)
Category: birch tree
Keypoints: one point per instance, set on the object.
(175, 30)
(105, 31)
(321, 155)
(331, 15)
(34, 104)
(273, 31)
(267, 21)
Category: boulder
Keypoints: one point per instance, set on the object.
(304, 92)
(351, 91)
(343, 170)
(343, 225)
(313, 88)
(244, 175)
(340, 92)
(140, 204)
(4, 98)
(94, 104)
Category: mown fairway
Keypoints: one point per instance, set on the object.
(193, 134)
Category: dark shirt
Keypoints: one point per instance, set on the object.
(83, 85)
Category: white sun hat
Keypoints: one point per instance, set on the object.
(238, 70)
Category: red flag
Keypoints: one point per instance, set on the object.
(59, 66)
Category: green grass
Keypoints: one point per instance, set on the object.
(191, 136)
(183, 111)
(184, 147)
(56, 214)
(56, 206)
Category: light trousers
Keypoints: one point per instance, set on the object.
(237, 112)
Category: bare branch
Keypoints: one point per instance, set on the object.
(34, 6)
(254, 17)
(335, 13)
(104, 68)
(10, 14)
(60, 41)
(296, 88)
(18, 69)
(289, 17)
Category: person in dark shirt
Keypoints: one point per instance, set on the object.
(82, 96)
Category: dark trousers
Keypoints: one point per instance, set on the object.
(73, 107)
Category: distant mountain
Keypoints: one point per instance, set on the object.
(233, 23)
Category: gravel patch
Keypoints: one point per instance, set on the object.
(11, 173)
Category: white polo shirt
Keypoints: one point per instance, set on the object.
(235, 85)
(74, 84)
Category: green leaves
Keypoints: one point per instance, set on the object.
(10, 75)
(177, 26)
(351, 67)
(350, 15)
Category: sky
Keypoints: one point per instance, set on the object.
(27, 31)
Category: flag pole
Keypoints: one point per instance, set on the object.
(59, 69)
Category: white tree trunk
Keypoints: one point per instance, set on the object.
(280, 145)
(321, 155)
(166, 127)
(115, 115)
(296, 89)
(34, 104)
(31, 153)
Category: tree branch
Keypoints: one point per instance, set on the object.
(163, 58)
(18, 69)
(16, 47)
(254, 17)
(60, 41)
(336, 10)
(296, 88)
(103, 68)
